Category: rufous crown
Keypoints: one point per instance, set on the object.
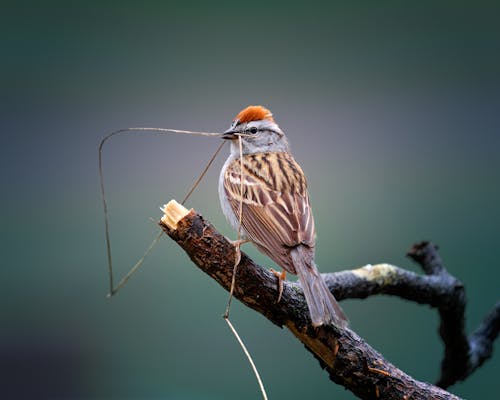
(254, 113)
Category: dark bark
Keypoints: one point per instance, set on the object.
(438, 289)
(349, 360)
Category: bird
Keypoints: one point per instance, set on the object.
(270, 196)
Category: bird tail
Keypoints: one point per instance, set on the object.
(323, 307)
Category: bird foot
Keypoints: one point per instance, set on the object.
(281, 277)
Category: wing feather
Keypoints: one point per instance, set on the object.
(276, 212)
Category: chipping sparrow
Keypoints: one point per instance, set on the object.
(276, 214)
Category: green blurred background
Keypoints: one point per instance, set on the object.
(392, 108)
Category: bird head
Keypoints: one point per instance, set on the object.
(258, 131)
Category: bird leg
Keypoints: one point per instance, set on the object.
(281, 277)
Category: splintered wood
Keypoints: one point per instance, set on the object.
(173, 213)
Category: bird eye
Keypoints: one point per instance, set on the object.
(253, 130)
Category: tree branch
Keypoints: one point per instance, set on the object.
(438, 289)
(349, 360)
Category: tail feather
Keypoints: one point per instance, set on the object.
(323, 307)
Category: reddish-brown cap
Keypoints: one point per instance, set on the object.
(254, 113)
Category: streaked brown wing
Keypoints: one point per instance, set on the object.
(276, 211)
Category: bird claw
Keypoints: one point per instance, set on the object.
(281, 277)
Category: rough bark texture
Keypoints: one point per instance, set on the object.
(349, 360)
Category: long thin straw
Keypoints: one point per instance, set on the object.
(112, 289)
(238, 240)
(190, 192)
(233, 281)
(249, 358)
(124, 280)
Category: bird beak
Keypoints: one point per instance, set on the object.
(230, 134)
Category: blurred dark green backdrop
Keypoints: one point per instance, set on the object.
(392, 108)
